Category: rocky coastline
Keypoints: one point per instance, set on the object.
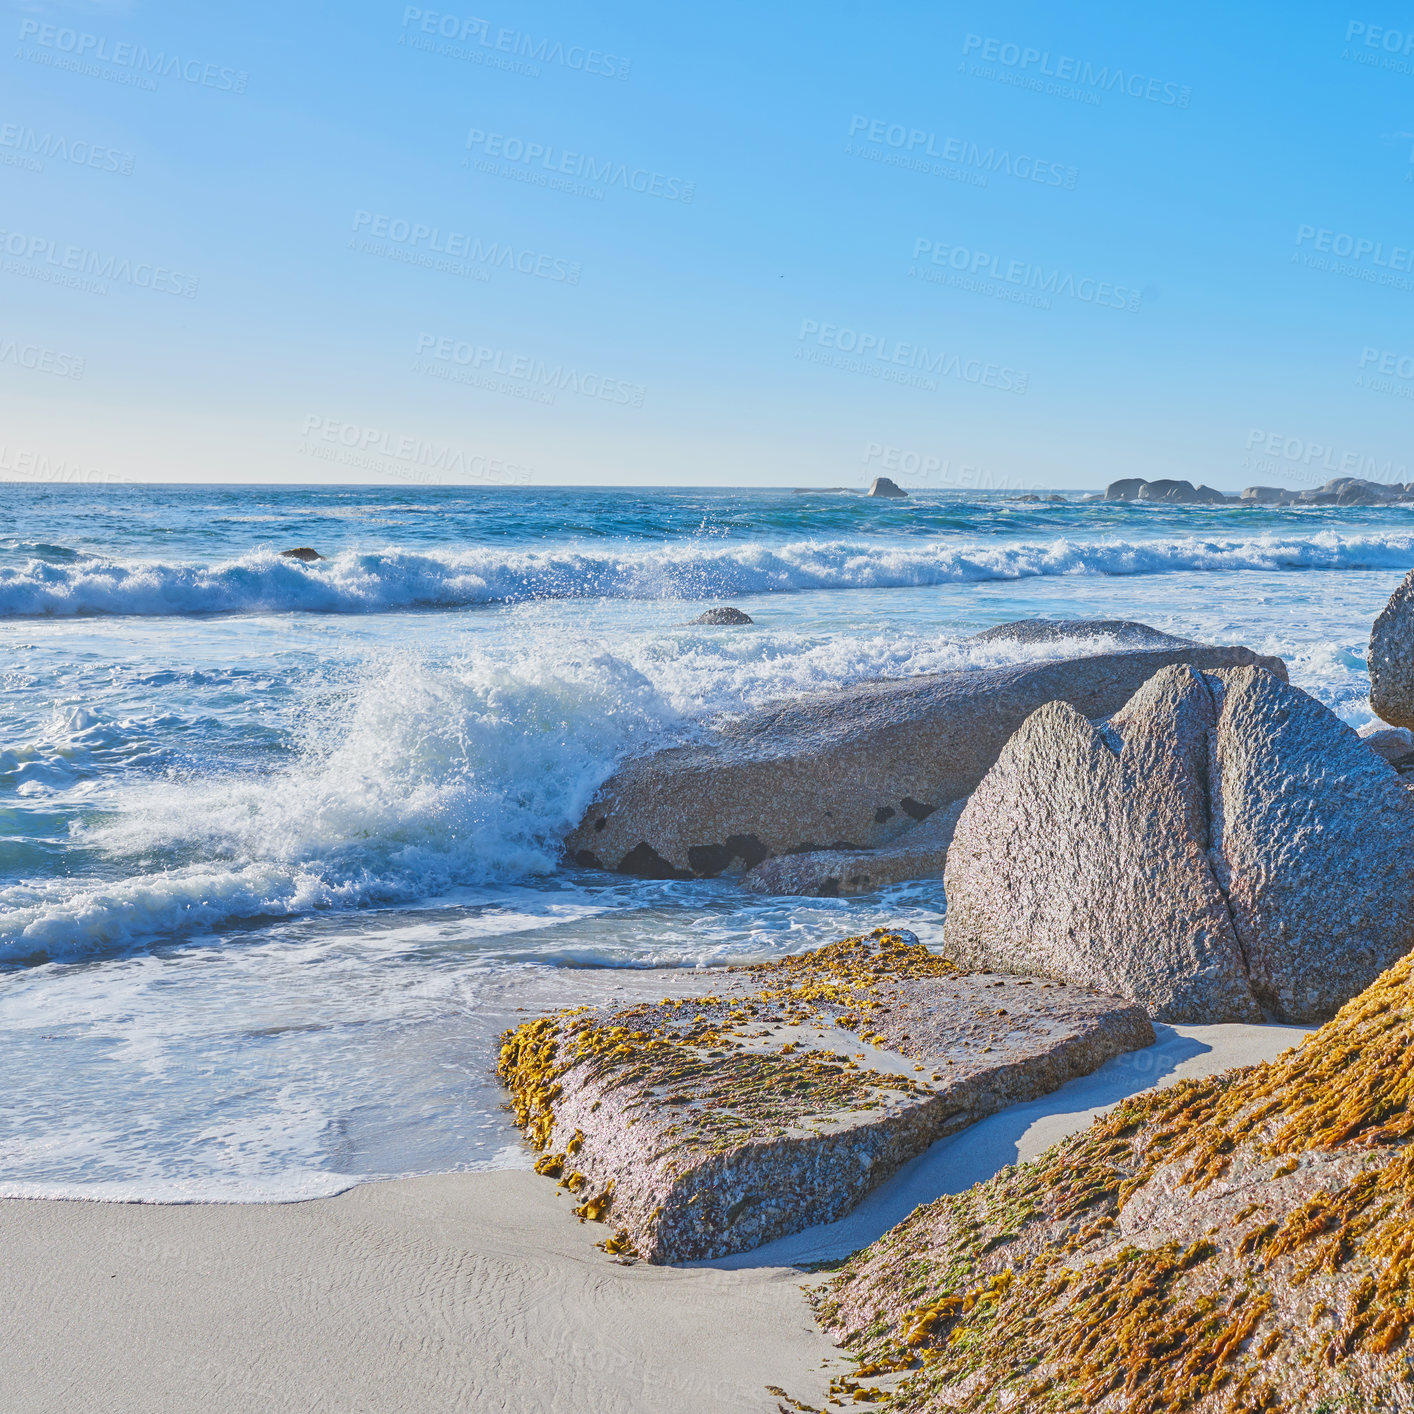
(1150, 831)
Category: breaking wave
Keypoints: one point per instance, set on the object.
(396, 579)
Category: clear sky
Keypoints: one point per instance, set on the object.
(803, 244)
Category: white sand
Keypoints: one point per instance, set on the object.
(462, 1291)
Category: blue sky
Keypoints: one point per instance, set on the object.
(963, 245)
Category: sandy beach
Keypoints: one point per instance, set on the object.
(474, 1291)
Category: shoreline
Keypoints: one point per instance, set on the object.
(470, 1290)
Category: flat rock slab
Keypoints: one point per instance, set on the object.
(919, 853)
(708, 1126)
(846, 770)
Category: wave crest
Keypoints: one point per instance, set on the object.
(395, 579)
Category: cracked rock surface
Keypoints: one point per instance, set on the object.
(1221, 847)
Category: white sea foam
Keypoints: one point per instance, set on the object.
(367, 582)
(433, 776)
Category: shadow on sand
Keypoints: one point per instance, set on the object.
(954, 1164)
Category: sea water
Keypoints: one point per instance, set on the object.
(280, 854)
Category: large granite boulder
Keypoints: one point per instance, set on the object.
(1391, 657)
(1235, 1243)
(704, 1126)
(845, 770)
(1222, 846)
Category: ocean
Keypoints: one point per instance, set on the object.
(280, 854)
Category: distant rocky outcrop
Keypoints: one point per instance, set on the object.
(884, 487)
(1339, 491)
(1175, 493)
(303, 552)
(845, 770)
(1223, 845)
(727, 615)
(1391, 658)
(700, 1127)
(1235, 1243)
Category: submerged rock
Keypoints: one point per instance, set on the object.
(1236, 1243)
(303, 552)
(726, 615)
(1221, 845)
(847, 770)
(1391, 657)
(1127, 632)
(702, 1127)
(884, 487)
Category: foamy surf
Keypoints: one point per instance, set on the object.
(395, 579)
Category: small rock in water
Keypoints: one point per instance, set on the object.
(727, 614)
(303, 553)
(884, 487)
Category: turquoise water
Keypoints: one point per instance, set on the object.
(280, 853)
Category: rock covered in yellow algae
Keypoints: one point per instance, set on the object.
(707, 1126)
(1244, 1242)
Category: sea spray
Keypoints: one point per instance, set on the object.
(433, 776)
